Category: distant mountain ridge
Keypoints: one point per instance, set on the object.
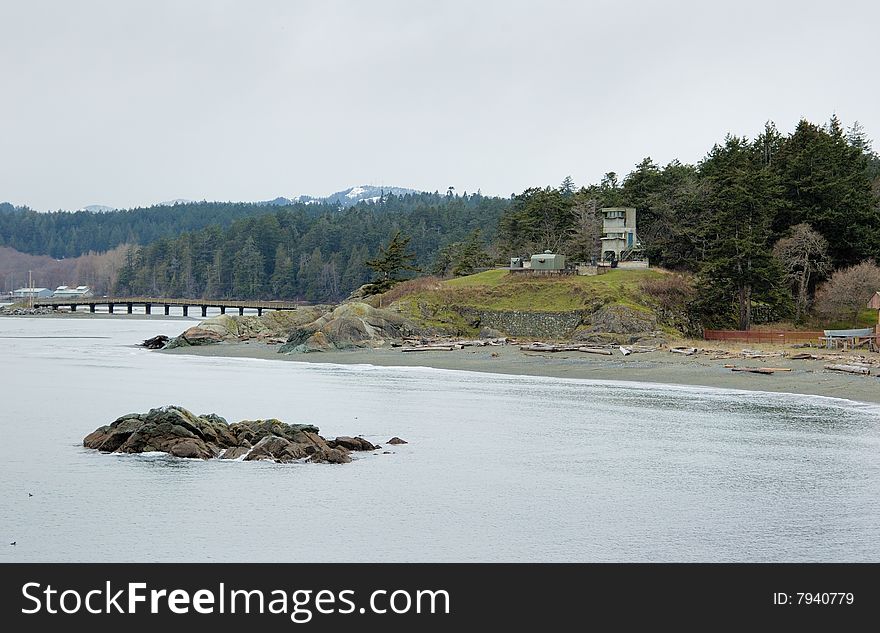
(347, 197)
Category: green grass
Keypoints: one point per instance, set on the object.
(500, 290)
(865, 318)
(489, 278)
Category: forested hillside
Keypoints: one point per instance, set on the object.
(758, 222)
(73, 233)
(292, 253)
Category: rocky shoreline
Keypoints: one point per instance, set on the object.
(174, 430)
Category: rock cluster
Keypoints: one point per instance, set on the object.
(350, 325)
(273, 327)
(178, 432)
(620, 324)
(18, 311)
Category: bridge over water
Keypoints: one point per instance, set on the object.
(129, 303)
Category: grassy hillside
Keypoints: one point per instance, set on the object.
(435, 302)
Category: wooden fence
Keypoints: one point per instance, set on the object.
(763, 336)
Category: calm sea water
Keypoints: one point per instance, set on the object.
(499, 468)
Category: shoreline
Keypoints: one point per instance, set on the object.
(807, 377)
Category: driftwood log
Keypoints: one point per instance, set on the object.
(850, 369)
(595, 350)
(761, 370)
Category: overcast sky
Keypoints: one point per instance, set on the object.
(129, 103)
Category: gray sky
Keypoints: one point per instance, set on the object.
(129, 103)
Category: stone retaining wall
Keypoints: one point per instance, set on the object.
(540, 325)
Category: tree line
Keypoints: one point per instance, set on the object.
(291, 253)
(63, 234)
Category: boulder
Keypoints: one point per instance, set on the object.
(397, 440)
(250, 432)
(157, 342)
(277, 449)
(621, 319)
(235, 452)
(200, 336)
(487, 332)
(330, 456)
(350, 325)
(351, 443)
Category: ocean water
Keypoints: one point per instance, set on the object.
(498, 468)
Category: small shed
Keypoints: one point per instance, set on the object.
(548, 261)
(874, 302)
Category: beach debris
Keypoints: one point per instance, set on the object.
(751, 353)
(595, 350)
(626, 351)
(686, 351)
(759, 370)
(445, 345)
(550, 347)
(805, 356)
(850, 369)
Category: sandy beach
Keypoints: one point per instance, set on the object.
(805, 377)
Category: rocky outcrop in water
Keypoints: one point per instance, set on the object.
(178, 432)
(351, 325)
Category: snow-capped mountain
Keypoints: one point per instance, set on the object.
(97, 208)
(346, 197)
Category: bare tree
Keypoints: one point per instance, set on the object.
(848, 291)
(804, 258)
(582, 241)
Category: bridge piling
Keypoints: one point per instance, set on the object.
(110, 308)
(204, 311)
(130, 306)
(167, 309)
(222, 309)
(259, 311)
(185, 310)
(148, 308)
(241, 312)
(73, 307)
(92, 308)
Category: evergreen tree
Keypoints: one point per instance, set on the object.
(283, 274)
(567, 187)
(826, 184)
(392, 261)
(471, 255)
(248, 275)
(741, 202)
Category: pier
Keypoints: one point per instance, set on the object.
(128, 303)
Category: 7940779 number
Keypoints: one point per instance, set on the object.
(825, 598)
